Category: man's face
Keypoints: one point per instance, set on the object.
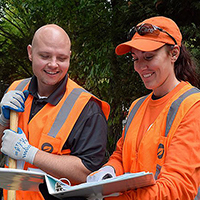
(50, 56)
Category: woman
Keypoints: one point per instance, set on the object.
(162, 134)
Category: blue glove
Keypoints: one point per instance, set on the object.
(16, 146)
(101, 174)
(12, 100)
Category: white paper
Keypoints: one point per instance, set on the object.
(16, 179)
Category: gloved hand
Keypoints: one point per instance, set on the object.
(16, 146)
(101, 174)
(12, 100)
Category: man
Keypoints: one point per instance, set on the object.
(62, 127)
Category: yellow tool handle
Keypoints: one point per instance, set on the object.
(11, 162)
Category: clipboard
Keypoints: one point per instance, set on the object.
(17, 179)
(103, 188)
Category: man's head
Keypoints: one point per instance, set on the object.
(50, 55)
(151, 34)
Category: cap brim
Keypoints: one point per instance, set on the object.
(140, 44)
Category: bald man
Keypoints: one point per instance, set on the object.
(62, 127)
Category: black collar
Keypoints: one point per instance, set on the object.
(55, 97)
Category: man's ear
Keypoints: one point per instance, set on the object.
(29, 50)
(175, 52)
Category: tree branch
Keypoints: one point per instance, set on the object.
(22, 21)
(14, 25)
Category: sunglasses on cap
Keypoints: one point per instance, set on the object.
(145, 29)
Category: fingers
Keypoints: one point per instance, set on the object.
(13, 100)
(26, 93)
(16, 146)
(101, 174)
(16, 101)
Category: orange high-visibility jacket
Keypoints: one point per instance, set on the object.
(49, 129)
(151, 153)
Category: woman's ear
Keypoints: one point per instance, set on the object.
(175, 52)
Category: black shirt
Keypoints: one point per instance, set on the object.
(88, 137)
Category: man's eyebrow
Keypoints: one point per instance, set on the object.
(46, 52)
(65, 55)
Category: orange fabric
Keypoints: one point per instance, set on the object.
(180, 173)
(38, 128)
(25, 195)
(151, 42)
(153, 109)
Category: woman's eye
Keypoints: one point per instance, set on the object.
(148, 57)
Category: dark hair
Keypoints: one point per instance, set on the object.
(185, 67)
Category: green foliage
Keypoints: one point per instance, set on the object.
(95, 27)
(186, 14)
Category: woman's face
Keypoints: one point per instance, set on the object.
(156, 68)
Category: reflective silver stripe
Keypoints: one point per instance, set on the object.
(64, 111)
(198, 195)
(158, 168)
(175, 106)
(23, 83)
(132, 113)
(171, 116)
(171, 113)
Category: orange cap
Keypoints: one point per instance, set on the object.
(151, 42)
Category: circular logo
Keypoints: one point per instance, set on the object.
(47, 147)
(160, 151)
